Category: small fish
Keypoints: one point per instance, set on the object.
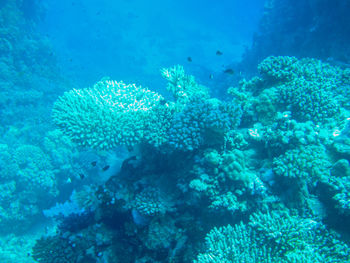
(189, 59)
(211, 76)
(93, 163)
(229, 71)
(105, 168)
(82, 176)
(219, 53)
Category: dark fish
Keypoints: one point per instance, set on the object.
(189, 59)
(219, 53)
(229, 71)
(105, 168)
(211, 76)
(82, 176)
(93, 163)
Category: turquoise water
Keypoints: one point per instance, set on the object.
(165, 131)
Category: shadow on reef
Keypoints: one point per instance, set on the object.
(125, 229)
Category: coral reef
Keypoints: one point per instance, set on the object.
(113, 113)
(27, 66)
(130, 175)
(277, 154)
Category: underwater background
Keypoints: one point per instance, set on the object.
(174, 131)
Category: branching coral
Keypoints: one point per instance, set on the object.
(309, 163)
(152, 202)
(274, 237)
(107, 115)
(202, 122)
(227, 180)
(35, 167)
(113, 113)
(233, 244)
(183, 86)
(198, 150)
(310, 89)
(278, 68)
(56, 249)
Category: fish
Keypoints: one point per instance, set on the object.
(229, 71)
(189, 59)
(219, 53)
(93, 163)
(82, 176)
(105, 168)
(211, 76)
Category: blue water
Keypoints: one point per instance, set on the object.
(137, 38)
(174, 131)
